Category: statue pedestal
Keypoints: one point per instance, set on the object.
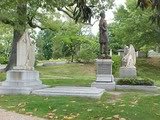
(23, 79)
(104, 75)
(127, 72)
(21, 82)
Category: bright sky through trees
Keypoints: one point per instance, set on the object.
(109, 16)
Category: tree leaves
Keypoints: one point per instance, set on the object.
(144, 3)
(154, 4)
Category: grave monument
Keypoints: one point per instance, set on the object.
(104, 77)
(23, 79)
(128, 68)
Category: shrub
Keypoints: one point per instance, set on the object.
(88, 52)
(3, 60)
(116, 65)
(86, 56)
(135, 81)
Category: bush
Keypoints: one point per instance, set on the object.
(116, 65)
(88, 52)
(86, 56)
(3, 60)
(134, 81)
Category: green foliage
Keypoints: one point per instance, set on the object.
(116, 64)
(45, 44)
(24, 14)
(131, 27)
(5, 43)
(71, 38)
(88, 51)
(155, 4)
(86, 56)
(67, 41)
(135, 81)
(3, 60)
(2, 76)
(47, 50)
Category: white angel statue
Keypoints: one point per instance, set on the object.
(130, 58)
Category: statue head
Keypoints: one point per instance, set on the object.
(102, 14)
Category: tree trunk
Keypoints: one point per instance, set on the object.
(13, 54)
(19, 29)
(72, 58)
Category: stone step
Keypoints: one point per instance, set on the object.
(20, 90)
(21, 83)
(91, 92)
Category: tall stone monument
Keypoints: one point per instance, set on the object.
(128, 68)
(104, 77)
(23, 79)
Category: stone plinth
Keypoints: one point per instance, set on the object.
(71, 91)
(128, 72)
(21, 82)
(104, 77)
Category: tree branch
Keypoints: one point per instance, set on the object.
(60, 9)
(70, 10)
(7, 21)
(33, 25)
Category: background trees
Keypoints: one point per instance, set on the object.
(67, 41)
(21, 14)
(132, 26)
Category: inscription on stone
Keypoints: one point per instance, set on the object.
(104, 69)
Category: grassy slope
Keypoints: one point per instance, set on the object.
(132, 105)
(68, 74)
(149, 68)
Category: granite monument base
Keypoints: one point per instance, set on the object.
(127, 72)
(105, 79)
(21, 82)
(91, 92)
(104, 85)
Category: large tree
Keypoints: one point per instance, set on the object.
(155, 5)
(131, 26)
(20, 14)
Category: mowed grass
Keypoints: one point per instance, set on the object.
(128, 105)
(131, 106)
(149, 68)
(73, 74)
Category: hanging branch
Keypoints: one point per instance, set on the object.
(7, 21)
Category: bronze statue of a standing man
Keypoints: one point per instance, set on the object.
(103, 38)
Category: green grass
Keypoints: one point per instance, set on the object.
(149, 68)
(131, 106)
(68, 74)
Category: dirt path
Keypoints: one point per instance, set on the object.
(6, 115)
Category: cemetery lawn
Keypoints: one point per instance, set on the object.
(76, 74)
(73, 74)
(133, 105)
(149, 68)
(127, 105)
(84, 74)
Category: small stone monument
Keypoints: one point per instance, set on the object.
(153, 54)
(128, 68)
(104, 75)
(23, 79)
